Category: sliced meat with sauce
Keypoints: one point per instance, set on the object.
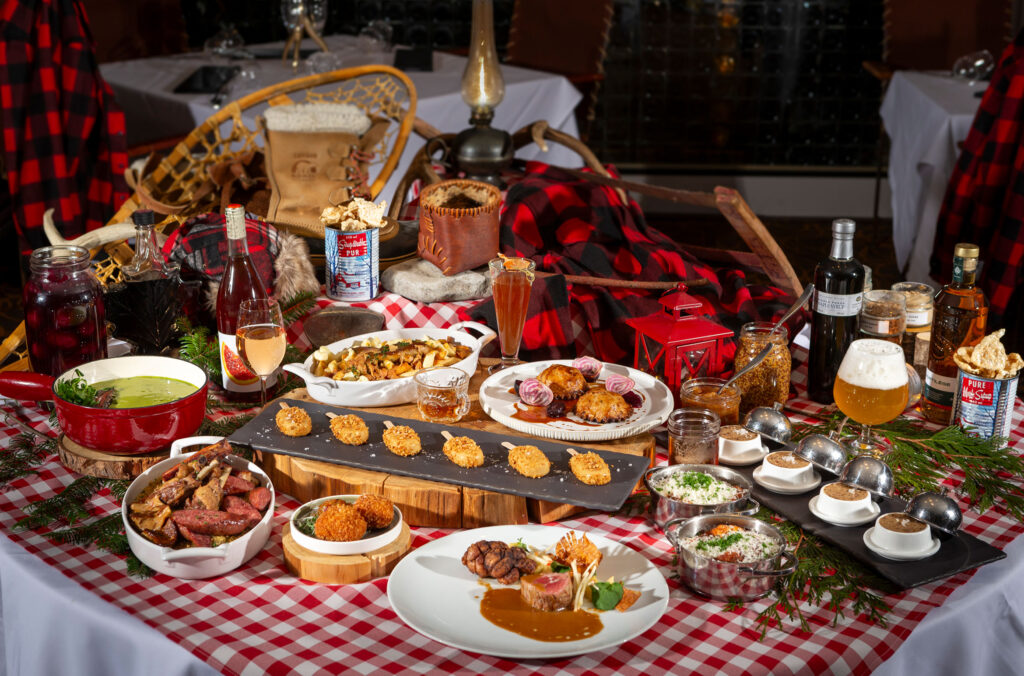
(547, 592)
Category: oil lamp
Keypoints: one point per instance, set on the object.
(482, 151)
(679, 344)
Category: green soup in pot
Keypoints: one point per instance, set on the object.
(139, 391)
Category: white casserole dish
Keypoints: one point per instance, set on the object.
(194, 563)
(387, 392)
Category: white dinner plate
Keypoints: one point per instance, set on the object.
(869, 542)
(499, 402)
(432, 592)
(743, 459)
(859, 518)
(784, 487)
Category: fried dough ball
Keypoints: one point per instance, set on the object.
(376, 509)
(464, 452)
(293, 422)
(350, 429)
(590, 468)
(402, 440)
(339, 521)
(529, 461)
(601, 406)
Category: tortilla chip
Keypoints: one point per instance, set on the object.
(629, 597)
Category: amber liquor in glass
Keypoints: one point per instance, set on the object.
(960, 315)
(835, 307)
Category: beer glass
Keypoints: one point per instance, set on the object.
(871, 388)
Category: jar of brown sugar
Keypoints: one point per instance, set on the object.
(769, 381)
(693, 437)
(703, 393)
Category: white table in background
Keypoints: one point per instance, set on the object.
(926, 115)
(144, 88)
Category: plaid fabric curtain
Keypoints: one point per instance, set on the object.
(63, 135)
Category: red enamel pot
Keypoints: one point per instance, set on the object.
(119, 431)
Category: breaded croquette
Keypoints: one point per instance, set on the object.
(402, 440)
(350, 429)
(590, 468)
(376, 509)
(529, 461)
(293, 421)
(340, 522)
(464, 452)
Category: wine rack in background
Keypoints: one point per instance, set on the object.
(725, 84)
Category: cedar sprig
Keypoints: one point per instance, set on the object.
(22, 456)
(67, 506)
(108, 534)
(295, 308)
(198, 347)
(225, 426)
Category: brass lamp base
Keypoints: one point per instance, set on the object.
(482, 151)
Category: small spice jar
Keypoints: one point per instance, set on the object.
(883, 316)
(693, 437)
(920, 299)
(768, 383)
(703, 393)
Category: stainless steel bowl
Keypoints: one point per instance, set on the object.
(722, 580)
(823, 452)
(938, 510)
(665, 509)
(769, 422)
(869, 473)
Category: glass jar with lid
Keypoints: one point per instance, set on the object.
(64, 314)
(693, 436)
(920, 299)
(703, 393)
(768, 383)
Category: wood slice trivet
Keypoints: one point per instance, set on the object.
(89, 462)
(429, 503)
(334, 569)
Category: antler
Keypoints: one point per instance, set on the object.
(108, 234)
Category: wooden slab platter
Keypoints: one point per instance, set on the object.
(429, 503)
(334, 569)
(89, 462)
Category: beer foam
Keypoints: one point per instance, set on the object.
(874, 364)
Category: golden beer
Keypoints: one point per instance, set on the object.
(869, 405)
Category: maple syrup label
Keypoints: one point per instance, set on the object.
(838, 305)
(939, 389)
(985, 404)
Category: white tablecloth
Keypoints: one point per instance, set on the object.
(926, 115)
(145, 90)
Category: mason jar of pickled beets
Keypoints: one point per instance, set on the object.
(64, 319)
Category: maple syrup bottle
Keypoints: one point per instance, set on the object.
(838, 296)
(240, 282)
(960, 316)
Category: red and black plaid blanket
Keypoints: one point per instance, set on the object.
(64, 143)
(572, 226)
(984, 202)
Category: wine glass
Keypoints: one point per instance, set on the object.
(261, 338)
(871, 388)
(511, 279)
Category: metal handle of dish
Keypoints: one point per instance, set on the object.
(788, 569)
(170, 556)
(178, 444)
(486, 334)
(670, 529)
(302, 372)
(749, 511)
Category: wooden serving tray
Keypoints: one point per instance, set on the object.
(431, 503)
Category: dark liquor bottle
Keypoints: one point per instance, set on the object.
(960, 316)
(239, 282)
(838, 295)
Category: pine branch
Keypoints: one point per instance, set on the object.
(198, 347)
(295, 308)
(66, 506)
(108, 534)
(22, 456)
(225, 426)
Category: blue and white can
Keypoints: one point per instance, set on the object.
(353, 263)
(986, 404)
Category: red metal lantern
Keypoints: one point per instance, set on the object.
(689, 345)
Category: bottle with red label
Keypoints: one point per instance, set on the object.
(240, 282)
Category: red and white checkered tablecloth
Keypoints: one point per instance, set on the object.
(260, 619)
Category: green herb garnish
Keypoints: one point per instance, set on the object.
(723, 542)
(559, 568)
(306, 521)
(696, 480)
(77, 391)
(519, 543)
(606, 595)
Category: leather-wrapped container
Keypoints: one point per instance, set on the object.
(458, 224)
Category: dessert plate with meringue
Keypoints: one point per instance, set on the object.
(576, 400)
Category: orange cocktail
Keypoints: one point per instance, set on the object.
(511, 279)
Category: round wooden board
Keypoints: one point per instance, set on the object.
(86, 461)
(333, 569)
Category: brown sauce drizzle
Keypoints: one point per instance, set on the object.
(530, 414)
(506, 608)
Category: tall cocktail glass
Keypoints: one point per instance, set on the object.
(511, 279)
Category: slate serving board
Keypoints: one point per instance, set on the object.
(956, 554)
(431, 463)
